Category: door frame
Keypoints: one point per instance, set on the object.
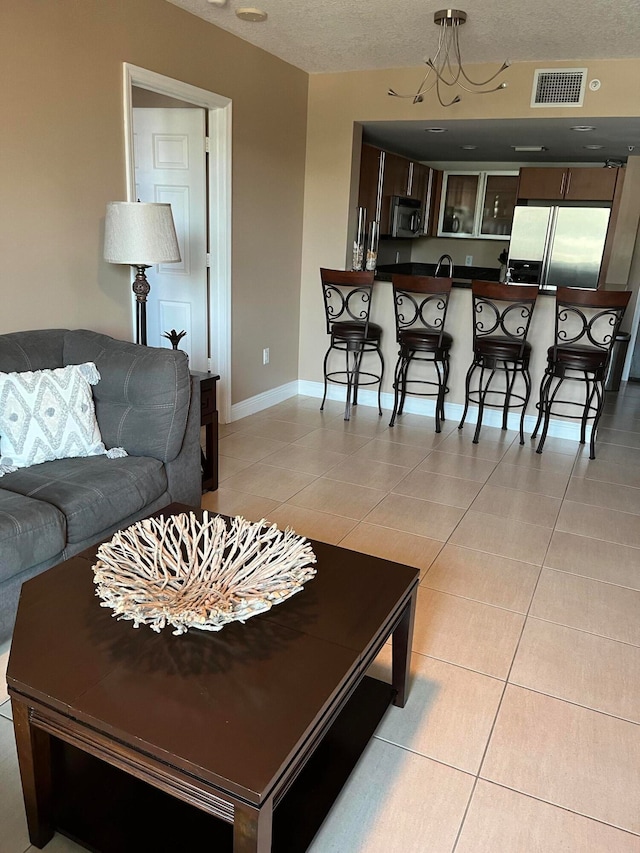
(219, 201)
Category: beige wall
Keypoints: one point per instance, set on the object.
(62, 160)
(336, 101)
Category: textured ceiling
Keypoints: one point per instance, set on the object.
(348, 35)
(345, 35)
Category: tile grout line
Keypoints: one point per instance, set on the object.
(506, 681)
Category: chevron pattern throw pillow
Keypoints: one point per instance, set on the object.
(49, 414)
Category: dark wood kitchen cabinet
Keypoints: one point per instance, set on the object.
(403, 177)
(384, 174)
(371, 173)
(570, 184)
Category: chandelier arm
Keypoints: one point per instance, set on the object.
(504, 67)
(433, 63)
(456, 100)
(417, 97)
(447, 65)
(482, 91)
(421, 89)
(443, 79)
(455, 76)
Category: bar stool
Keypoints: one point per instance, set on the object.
(420, 304)
(501, 317)
(347, 305)
(587, 322)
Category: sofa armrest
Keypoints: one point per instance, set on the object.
(184, 473)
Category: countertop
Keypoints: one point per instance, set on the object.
(462, 276)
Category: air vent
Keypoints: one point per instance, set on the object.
(558, 88)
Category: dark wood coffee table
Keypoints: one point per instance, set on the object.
(224, 722)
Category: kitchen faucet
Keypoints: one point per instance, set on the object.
(449, 260)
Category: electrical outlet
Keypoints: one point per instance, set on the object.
(468, 261)
(265, 355)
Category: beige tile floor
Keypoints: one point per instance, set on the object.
(522, 728)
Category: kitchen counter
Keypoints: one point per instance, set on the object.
(462, 276)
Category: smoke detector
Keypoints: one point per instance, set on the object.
(251, 14)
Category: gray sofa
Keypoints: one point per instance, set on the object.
(147, 403)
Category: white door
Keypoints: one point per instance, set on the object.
(170, 167)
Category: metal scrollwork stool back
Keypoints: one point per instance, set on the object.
(587, 322)
(347, 305)
(420, 304)
(501, 353)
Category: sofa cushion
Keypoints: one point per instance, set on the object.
(142, 399)
(31, 531)
(93, 492)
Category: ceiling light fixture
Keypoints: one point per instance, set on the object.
(529, 148)
(468, 147)
(593, 147)
(435, 129)
(251, 14)
(447, 63)
(583, 128)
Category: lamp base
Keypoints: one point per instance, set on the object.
(141, 288)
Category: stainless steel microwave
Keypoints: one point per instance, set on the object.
(406, 217)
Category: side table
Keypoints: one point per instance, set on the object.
(209, 420)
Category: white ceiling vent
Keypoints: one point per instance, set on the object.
(558, 88)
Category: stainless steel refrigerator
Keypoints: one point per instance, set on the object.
(553, 245)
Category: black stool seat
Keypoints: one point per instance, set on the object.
(504, 349)
(355, 331)
(501, 317)
(347, 305)
(577, 358)
(420, 304)
(587, 322)
(425, 341)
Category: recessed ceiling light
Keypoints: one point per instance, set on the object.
(436, 129)
(469, 147)
(529, 148)
(251, 14)
(583, 128)
(593, 147)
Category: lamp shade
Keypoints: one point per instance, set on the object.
(140, 233)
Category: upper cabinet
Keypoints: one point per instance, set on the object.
(384, 175)
(571, 184)
(403, 177)
(371, 174)
(477, 204)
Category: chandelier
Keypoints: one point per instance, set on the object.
(446, 65)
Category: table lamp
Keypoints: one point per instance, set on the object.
(140, 234)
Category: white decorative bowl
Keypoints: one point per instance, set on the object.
(187, 573)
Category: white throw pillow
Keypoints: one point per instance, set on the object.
(49, 414)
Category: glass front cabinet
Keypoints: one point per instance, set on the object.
(477, 204)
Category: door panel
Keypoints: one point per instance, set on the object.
(591, 184)
(542, 183)
(169, 147)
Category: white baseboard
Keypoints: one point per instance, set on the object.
(413, 405)
(264, 401)
(453, 411)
